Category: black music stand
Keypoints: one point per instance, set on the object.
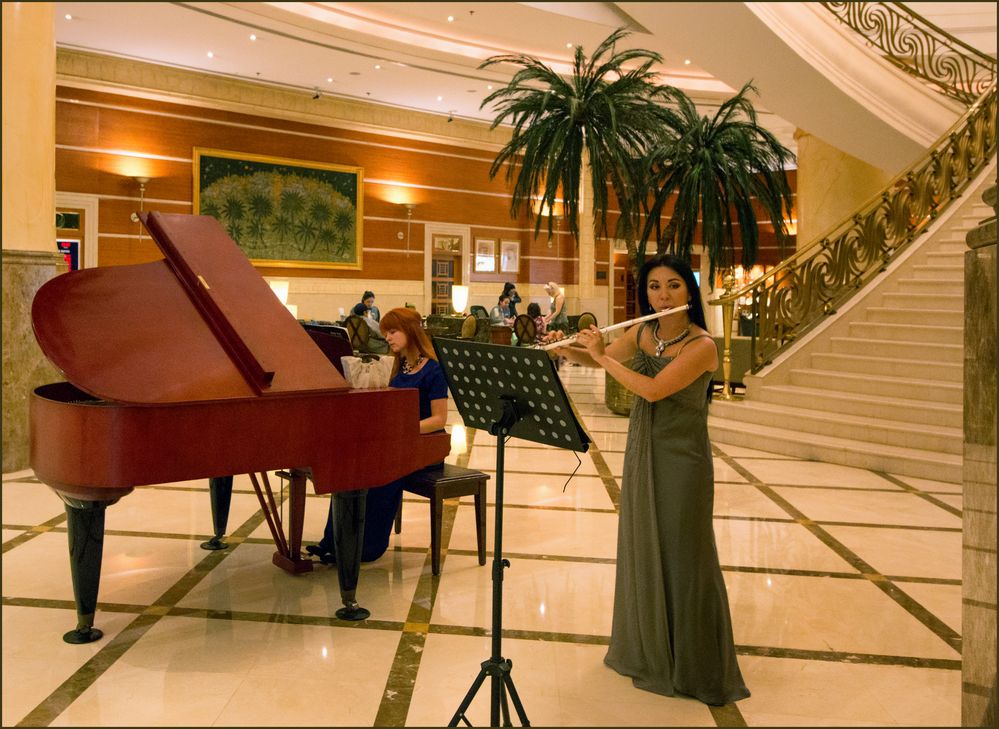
(509, 391)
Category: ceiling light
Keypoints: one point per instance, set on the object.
(211, 55)
(440, 98)
(253, 36)
(68, 16)
(329, 80)
(450, 18)
(490, 87)
(686, 61)
(378, 67)
(568, 45)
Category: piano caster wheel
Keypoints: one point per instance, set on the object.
(80, 637)
(215, 543)
(354, 612)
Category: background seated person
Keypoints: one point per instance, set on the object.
(366, 307)
(417, 367)
(540, 327)
(500, 314)
(510, 289)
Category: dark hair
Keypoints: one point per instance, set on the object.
(679, 265)
(508, 287)
(368, 295)
(410, 323)
(533, 310)
(502, 296)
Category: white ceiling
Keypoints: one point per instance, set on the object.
(406, 54)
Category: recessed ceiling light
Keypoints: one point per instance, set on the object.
(329, 80)
(686, 61)
(490, 87)
(450, 18)
(253, 36)
(568, 45)
(440, 98)
(210, 54)
(68, 16)
(378, 67)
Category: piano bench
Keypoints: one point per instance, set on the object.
(437, 483)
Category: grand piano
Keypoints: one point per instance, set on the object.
(188, 368)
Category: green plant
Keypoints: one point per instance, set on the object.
(603, 113)
(716, 166)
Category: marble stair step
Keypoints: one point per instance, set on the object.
(946, 353)
(952, 301)
(906, 388)
(939, 272)
(931, 286)
(846, 451)
(890, 366)
(907, 332)
(853, 427)
(871, 406)
(929, 317)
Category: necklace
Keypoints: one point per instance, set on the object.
(407, 368)
(661, 344)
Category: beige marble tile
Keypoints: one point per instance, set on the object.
(944, 601)
(36, 661)
(550, 490)
(135, 570)
(246, 581)
(813, 473)
(606, 423)
(774, 545)
(543, 532)
(793, 692)
(868, 507)
(532, 460)
(610, 442)
(542, 595)
(909, 552)
(826, 614)
(233, 673)
(743, 499)
(161, 511)
(29, 504)
(936, 487)
(559, 685)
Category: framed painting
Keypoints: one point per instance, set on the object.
(446, 243)
(485, 255)
(283, 212)
(510, 256)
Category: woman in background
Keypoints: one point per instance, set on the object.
(416, 367)
(556, 318)
(510, 289)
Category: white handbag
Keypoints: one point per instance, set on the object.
(363, 375)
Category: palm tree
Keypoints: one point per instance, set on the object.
(603, 111)
(716, 166)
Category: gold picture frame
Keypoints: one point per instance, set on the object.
(283, 212)
(485, 255)
(509, 256)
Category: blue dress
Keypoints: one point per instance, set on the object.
(383, 501)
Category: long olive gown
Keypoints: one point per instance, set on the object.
(672, 631)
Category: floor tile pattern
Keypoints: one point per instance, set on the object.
(844, 585)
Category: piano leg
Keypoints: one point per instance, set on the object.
(348, 538)
(220, 491)
(85, 524)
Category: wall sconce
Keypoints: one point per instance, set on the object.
(143, 181)
(409, 220)
(459, 298)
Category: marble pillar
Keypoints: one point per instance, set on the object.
(978, 590)
(831, 186)
(29, 255)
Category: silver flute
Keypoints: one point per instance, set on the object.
(621, 325)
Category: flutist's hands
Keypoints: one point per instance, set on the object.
(593, 340)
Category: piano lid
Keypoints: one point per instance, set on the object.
(202, 324)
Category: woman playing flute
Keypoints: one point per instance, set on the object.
(671, 631)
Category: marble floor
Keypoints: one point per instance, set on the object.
(844, 585)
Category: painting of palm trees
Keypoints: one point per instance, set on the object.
(283, 212)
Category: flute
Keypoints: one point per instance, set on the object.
(621, 325)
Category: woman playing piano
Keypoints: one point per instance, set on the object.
(415, 366)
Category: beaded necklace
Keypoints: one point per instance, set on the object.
(661, 344)
(407, 368)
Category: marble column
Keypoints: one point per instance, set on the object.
(831, 185)
(29, 256)
(978, 590)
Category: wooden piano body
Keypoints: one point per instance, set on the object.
(189, 367)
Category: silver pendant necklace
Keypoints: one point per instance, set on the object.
(406, 368)
(661, 344)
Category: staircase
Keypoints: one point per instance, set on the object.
(879, 385)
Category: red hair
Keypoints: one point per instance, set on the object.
(409, 322)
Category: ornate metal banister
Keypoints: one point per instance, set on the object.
(920, 48)
(795, 295)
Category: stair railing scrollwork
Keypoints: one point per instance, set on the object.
(919, 48)
(797, 294)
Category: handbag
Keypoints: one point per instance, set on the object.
(367, 372)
